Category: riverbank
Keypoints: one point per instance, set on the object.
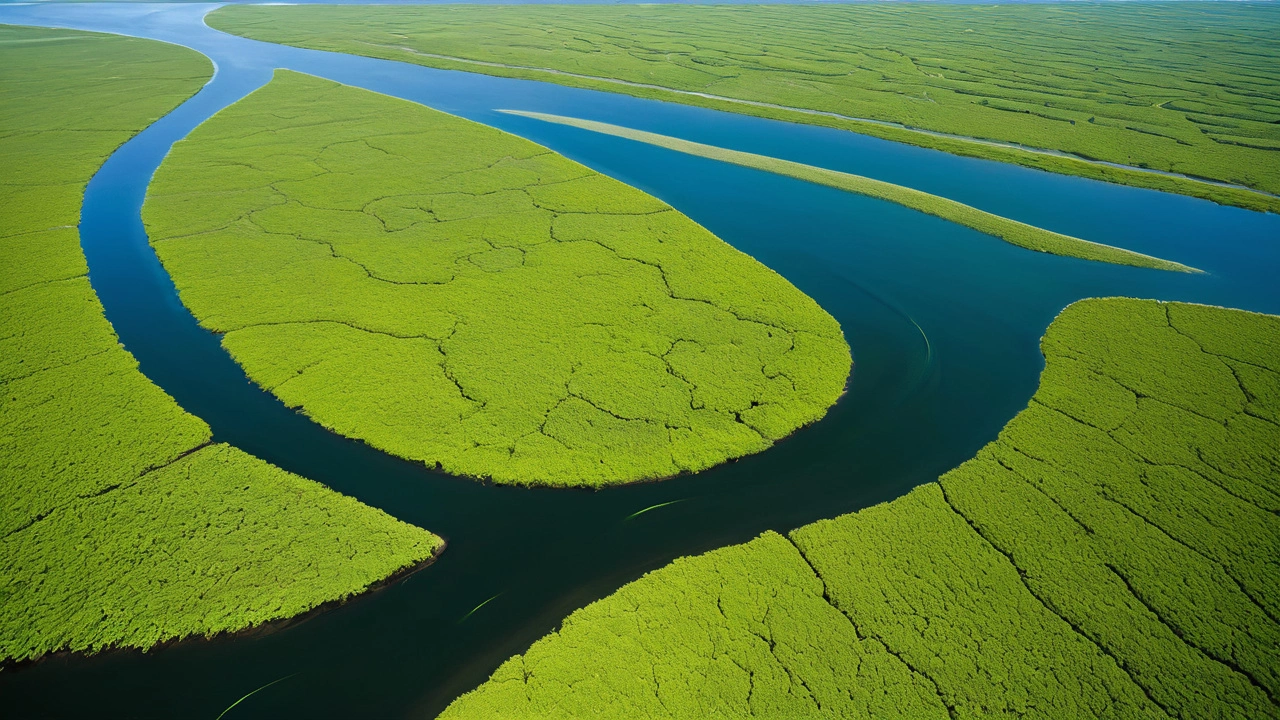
(461, 297)
(881, 270)
(125, 524)
(1020, 85)
(1096, 560)
(1013, 232)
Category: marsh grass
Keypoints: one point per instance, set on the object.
(1110, 555)
(1011, 231)
(123, 524)
(1188, 88)
(465, 298)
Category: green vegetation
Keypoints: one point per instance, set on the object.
(741, 631)
(1112, 554)
(1011, 231)
(1187, 88)
(123, 525)
(459, 296)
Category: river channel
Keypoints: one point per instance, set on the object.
(944, 323)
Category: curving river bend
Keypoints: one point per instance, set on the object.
(944, 323)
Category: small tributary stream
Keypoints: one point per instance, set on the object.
(944, 323)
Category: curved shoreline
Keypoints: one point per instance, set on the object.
(392, 486)
(836, 116)
(1044, 159)
(97, 457)
(267, 628)
(950, 584)
(581, 427)
(1017, 233)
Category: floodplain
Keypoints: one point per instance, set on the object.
(125, 524)
(1184, 88)
(1011, 231)
(944, 324)
(464, 298)
(1041, 564)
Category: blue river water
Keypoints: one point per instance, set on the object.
(944, 323)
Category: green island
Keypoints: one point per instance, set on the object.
(1182, 97)
(123, 524)
(465, 298)
(1011, 231)
(1111, 555)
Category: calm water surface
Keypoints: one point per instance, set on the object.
(943, 321)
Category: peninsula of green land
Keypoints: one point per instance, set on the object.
(1113, 554)
(1011, 231)
(462, 297)
(1182, 97)
(123, 524)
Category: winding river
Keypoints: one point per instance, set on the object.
(944, 323)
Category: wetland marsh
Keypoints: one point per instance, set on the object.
(944, 323)
(1088, 89)
(467, 299)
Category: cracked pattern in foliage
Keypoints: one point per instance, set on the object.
(74, 412)
(742, 631)
(1111, 554)
(1136, 497)
(1188, 89)
(122, 524)
(459, 296)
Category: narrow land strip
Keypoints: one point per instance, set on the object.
(1178, 98)
(836, 116)
(1011, 231)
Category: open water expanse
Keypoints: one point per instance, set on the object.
(944, 323)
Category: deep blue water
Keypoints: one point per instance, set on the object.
(913, 410)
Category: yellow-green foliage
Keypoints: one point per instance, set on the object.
(1112, 554)
(742, 631)
(215, 541)
(1011, 231)
(1179, 87)
(122, 525)
(456, 295)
